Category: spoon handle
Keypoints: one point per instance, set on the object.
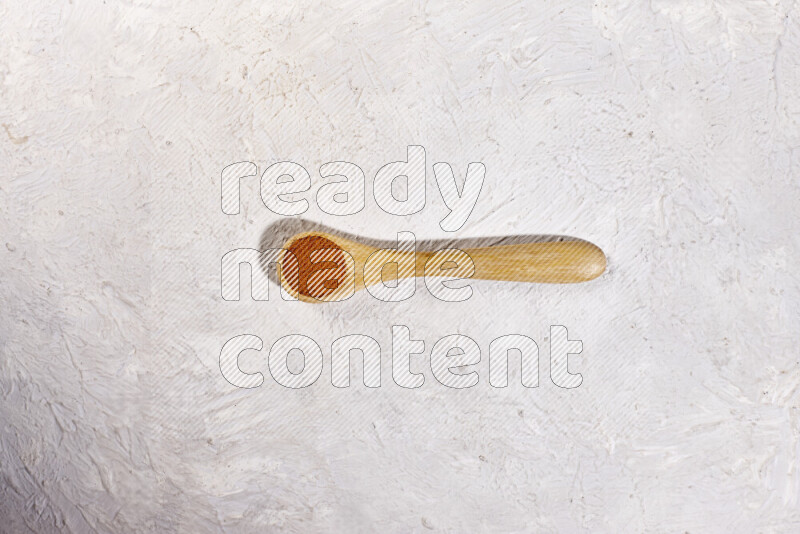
(554, 262)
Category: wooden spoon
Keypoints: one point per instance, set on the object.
(322, 266)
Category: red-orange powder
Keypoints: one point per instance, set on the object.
(300, 274)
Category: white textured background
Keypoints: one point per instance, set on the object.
(664, 131)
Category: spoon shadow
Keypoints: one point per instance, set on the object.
(278, 233)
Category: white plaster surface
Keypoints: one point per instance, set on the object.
(664, 131)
